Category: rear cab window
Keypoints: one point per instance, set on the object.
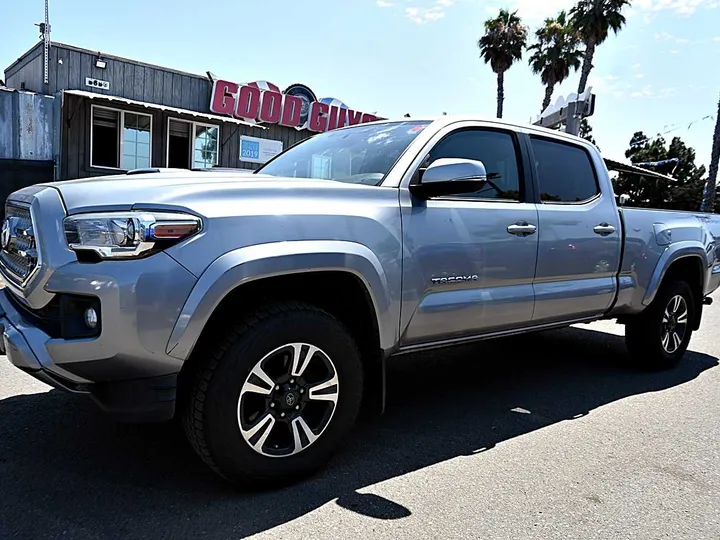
(565, 172)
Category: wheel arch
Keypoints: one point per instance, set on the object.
(342, 278)
(689, 265)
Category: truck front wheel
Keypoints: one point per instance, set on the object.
(277, 397)
(658, 337)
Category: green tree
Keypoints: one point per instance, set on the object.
(593, 20)
(711, 184)
(684, 194)
(502, 45)
(586, 131)
(555, 54)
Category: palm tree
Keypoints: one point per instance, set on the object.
(501, 46)
(593, 20)
(555, 53)
(708, 202)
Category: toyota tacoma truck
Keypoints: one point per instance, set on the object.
(261, 307)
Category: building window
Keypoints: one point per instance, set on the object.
(192, 145)
(120, 139)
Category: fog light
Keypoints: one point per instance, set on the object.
(91, 318)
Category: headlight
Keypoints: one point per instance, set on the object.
(117, 235)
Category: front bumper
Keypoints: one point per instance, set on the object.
(125, 369)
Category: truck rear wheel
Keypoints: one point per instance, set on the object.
(658, 337)
(277, 397)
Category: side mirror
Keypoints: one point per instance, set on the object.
(450, 176)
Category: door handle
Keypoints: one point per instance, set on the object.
(521, 228)
(604, 229)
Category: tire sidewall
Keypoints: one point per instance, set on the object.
(229, 449)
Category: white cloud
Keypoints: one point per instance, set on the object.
(637, 66)
(717, 38)
(649, 92)
(664, 36)
(674, 51)
(445, 3)
(537, 10)
(681, 7)
(639, 75)
(384, 4)
(424, 15)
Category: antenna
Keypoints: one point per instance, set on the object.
(45, 36)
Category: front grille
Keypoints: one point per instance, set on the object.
(18, 255)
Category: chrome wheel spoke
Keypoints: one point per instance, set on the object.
(300, 361)
(676, 303)
(297, 425)
(263, 426)
(676, 339)
(326, 391)
(269, 384)
(682, 318)
(666, 340)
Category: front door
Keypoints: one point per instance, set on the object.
(579, 233)
(469, 260)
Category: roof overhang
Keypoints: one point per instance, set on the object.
(117, 99)
(631, 169)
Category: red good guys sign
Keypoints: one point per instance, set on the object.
(296, 107)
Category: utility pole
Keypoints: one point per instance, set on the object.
(45, 36)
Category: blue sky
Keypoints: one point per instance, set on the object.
(415, 56)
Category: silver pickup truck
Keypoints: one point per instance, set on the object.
(261, 307)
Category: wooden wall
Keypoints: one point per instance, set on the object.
(129, 79)
(28, 69)
(76, 137)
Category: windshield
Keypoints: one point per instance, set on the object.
(362, 154)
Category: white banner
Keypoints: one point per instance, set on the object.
(255, 150)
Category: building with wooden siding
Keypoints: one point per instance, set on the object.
(117, 114)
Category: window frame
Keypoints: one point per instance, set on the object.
(120, 139)
(191, 146)
(524, 192)
(536, 172)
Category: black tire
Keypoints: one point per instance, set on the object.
(644, 333)
(211, 418)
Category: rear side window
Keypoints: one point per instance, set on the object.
(565, 172)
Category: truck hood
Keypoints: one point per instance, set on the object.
(196, 191)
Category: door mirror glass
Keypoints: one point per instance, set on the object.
(450, 176)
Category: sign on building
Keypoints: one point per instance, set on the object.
(97, 83)
(254, 150)
(296, 107)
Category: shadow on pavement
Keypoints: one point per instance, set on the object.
(66, 471)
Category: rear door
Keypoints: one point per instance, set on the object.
(468, 266)
(579, 233)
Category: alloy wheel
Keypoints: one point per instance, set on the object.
(288, 400)
(674, 324)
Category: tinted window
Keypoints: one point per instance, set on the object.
(495, 149)
(362, 154)
(565, 173)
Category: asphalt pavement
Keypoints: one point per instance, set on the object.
(540, 437)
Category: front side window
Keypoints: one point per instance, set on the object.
(565, 172)
(120, 139)
(361, 154)
(496, 149)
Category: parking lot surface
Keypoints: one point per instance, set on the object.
(546, 436)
